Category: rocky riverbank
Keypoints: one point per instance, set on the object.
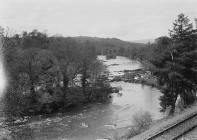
(141, 76)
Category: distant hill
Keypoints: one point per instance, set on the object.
(145, 41)
(114, 41)
(104, 45)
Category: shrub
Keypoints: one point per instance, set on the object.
(142, 120)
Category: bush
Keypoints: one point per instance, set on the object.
(74, 96)
(142, 120)
(15, 102)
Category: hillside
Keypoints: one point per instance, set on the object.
(144, 41)
(112, 45)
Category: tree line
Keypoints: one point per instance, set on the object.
(106, 46)
(46, 74)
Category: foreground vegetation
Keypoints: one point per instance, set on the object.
(50, 74)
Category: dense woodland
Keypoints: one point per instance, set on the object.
(107, 46)
(47, 74)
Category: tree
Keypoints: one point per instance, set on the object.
(182, 29)
(175, 65)
(67, 52)
(27, 60)
(88, 55)
(42, 73)
(34, 39)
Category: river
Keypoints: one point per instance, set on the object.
(96, 121)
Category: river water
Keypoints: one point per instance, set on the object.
(96, 121)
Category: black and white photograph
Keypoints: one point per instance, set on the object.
(98, 69)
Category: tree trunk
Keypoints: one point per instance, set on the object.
(32, 89)
(65, 81)
(83, 84)
(172, 109)
(33, 92)
(84, 80)
(173, 105)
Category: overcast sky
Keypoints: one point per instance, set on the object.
(124, 19)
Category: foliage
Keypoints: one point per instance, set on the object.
(47, 74)
(174, 63)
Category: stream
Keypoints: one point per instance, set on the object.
(96, 121)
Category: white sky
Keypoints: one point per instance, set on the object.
(124, 19)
